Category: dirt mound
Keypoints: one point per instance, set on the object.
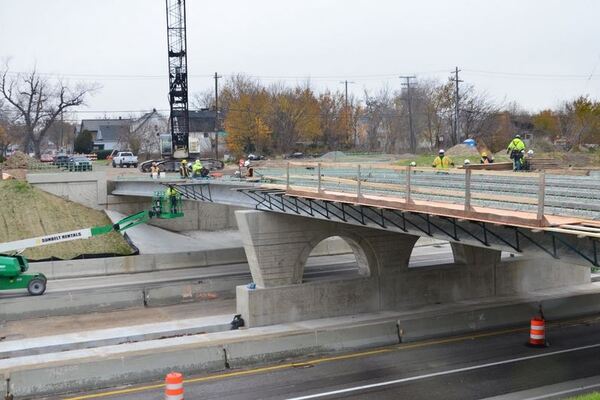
(463, 150)
(333, 155)
(18, 160)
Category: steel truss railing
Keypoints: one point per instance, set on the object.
(447, 228)
(193, 191)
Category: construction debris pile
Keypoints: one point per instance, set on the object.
(19, 160)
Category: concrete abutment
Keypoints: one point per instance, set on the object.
(278, 245)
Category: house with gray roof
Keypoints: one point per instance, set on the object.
(105, 131)
(110, 137)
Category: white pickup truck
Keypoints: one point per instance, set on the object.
(124, 158)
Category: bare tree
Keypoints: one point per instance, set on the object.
(374, 114)
(37, 103)
(478, 114)
(204, 99)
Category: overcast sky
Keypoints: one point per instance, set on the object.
(534, 52)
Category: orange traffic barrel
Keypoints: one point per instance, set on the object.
(174, 386)
(537, 332)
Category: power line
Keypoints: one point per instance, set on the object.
(521, 75)
(232, 75)
(308, 75)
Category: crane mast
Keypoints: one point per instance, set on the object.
(178, 79)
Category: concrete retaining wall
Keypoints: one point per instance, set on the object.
(87, 188)
(523, 275)
(74, 302)
(160, 262)
(141, 263)
(494, 316)
(444, 284)
(198, 215)
(204, 290)
(277, 247)
(274, 305)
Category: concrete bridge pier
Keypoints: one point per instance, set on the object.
(278, 245)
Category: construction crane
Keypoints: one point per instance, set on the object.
(14, 267)
(175, 146)
(178, 81)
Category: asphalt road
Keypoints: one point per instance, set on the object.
(317, 268)
(470, 367)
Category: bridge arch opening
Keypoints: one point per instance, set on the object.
(337, 257)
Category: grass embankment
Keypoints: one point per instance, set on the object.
(27, 212)
(590, 396)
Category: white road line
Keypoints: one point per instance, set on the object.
(442, 373)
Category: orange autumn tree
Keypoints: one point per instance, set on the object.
(295, 117)
(548, 123)
(247, 123)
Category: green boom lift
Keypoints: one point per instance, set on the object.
(13, 268)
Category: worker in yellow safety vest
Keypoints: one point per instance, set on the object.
(516, 149)
(171, 194)
(442, 161)
(196, 169)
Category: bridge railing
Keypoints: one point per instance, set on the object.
(465, 187)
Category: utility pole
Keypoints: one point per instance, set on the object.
(412, 138)
(456, 130)
(62, 128)
(217, 122)
(346, 113)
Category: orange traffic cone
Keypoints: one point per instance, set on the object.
(174, 386)
(537, 332)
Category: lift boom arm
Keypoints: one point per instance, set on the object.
(126, 223)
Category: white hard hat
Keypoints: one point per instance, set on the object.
(441, 151)
(530, 152)
(467, 161)
(413, 164)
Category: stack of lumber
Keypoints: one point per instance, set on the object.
(536, 163)
(497, 166)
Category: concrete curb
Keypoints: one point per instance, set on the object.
(143, 361)
(140, 263)
(83, 301)
(490, 316)
(137, 362)
(74, 302)
(114, 336)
